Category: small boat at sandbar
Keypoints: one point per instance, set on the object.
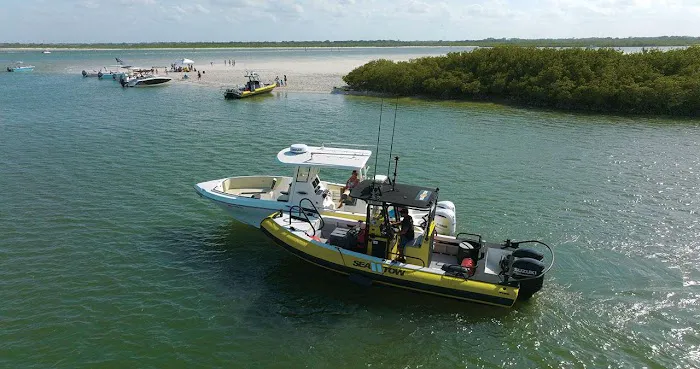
(251, 88)
(20, 67)
(143, 80)
(463, 267)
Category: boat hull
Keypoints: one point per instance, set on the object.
(237, 94)
(150, 82)
(388, 272)
(246, 210)
(20, 69)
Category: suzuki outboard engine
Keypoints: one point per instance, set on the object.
(526, 267)
(446, 218)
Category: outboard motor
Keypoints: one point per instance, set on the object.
(528, 253)
(446, 218)
(99, 74)
(84, 73)
(530, 271)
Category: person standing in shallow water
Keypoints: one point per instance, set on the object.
(285, 79)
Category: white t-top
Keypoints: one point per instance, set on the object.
(331, 157)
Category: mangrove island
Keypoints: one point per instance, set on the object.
(575, 79)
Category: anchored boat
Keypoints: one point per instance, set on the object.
(20, 67)
(143, 80)
(462, 267)
(249, 199)
(251, 88)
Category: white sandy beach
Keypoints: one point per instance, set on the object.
(315, 75)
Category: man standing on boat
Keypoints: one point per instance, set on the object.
(406, 233)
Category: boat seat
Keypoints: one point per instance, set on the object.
(416, 241)
(283, 197)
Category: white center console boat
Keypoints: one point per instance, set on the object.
(250, 199)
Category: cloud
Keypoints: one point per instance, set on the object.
(347, 19)
(89, 4)
(138, 2)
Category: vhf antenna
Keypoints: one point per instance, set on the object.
(391, 149)
(376, 157)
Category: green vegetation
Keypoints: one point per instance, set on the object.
(568, 42)
(602, 80)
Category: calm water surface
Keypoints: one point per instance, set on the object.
(108, 258)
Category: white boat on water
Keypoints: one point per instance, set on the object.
(46, 52)
(143, 80)
(20, 67)
(250, 199)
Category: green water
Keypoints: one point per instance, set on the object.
(108, 258)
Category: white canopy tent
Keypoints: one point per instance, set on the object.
(184, 61)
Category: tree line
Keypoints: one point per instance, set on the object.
(489, 42)
(593, 80)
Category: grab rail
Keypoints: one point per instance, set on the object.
(306, 217)
(315, 209)
(406, 256)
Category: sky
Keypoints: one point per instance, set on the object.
(90, 21)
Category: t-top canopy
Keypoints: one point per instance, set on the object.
(400, 194)
(331, 157)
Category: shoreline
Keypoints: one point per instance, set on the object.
(230, 48)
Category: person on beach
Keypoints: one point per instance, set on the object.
(285, 80)
(199, 76)
(277, 81)
(234, 62)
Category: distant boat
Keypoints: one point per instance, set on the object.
(20, 67)
(46, 52)
(92, 73)
(146, 80)
(251, 88)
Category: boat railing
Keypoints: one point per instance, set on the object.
(314, 209)
(408, 257)
(301, 212)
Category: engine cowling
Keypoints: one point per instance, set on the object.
(445, 221)
(528, 253)
(527, 268)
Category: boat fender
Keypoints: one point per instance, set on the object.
(527, 268)
(528, 253)
(470, 265)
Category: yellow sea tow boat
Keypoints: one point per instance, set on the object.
(251, 88)
(462, 266)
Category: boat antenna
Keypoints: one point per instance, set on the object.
(391, 148)
(393, 181)
(376, 157)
